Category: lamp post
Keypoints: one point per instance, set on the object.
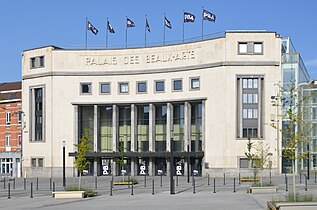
(308, 161)
(172, 164)
(64, 172)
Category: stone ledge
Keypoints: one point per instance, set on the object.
(68, 194)
(263, 190)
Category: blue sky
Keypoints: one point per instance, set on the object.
(35, 23)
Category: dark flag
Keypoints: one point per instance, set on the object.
(147, 26)
(188, 17)
(130, 23)
(92, 28)
(208, 16)
(110, 28)
(167, 23)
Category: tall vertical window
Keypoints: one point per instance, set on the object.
(86, 120)
(178, 126)
(196, 127)
(160, 127)
(38, 114)
(249, 89)
(125, 127)
(143, 128)
(8, 140)
(20, 114)
(105, 131)
(8, 118)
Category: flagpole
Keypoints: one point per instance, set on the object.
(107, 33)
(126, 32)
(183, 24)
(202, 24)
(145, 31)
(86, 33)
(164, 30)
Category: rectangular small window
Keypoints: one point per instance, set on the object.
(255, 83)
(40, 162)
(244, 163)
(37, 62)
(258, 48)
(249, 113)
(85, 88)
(20, 117)
(243, 46)
(159, 86)
(250, 83)
(255, 113)
(124, 87)
(20, 139)
(250, 97)
(245, 83)
(141, 87)
(33, 162)
(245, 113)
(255, 98)
(8, 138)
(8, 118)
(105, 88)
(250, 48)
(194, 83)
(245, 98)
(177, 85)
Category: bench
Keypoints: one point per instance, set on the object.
(122, 183)
(249, 179)
(68, 194)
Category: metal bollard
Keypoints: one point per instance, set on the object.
(129, 180)
(50, 183)
(306, 183)
(285, 177)
(111, 187)
(194, 190)
(234, 185)
(14, 183)
(176, 180)
(96, 182)
(286, 184)
(239, 178)
(9, 196)
(214, 185)
(4, 183)
(300, 177)
(224, 179)
(145, 181)
(208, 180)
(153, 187)
(37, 183)
(132, 189)
(270, 177)
(161, 181)
(24, 183)
(31, 190)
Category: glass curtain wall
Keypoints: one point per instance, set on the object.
(160, 127)
(125, 128)
(196, 127)
(143, 128)
(105, 131)
(178, 126)
(87, 121)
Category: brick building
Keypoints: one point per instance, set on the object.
(10, 129)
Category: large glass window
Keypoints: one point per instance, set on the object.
(143, 128)
(125, 127)
(178, 126)
(86, 120)
(160, 127)
(105, 131)
(196, 127)
(38, 114)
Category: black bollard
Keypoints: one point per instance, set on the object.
(315, 177)
(53, 189)
(132, 189)
(234, 185)
(14, 183)
(239, 178)
(37, 183)
(208, 180)
(153, 187)
(194, 190)
(306, 183)
(214, 185)
(31, 190)
(129, 181)
(176, 180)
(286, 184)
(50, 183)
(224, 179)
(4, 183)
(144, 180)
(270, 177)
(300, 177)
(96, 182)
(285, 177)
(9, 196)
(111, 187)
(24, 183)
(161, 181)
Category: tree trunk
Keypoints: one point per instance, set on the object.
(294, 184)
(79, 181)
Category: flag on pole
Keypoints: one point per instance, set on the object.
(93, 29)
(188, 17)
(110, 28)
(209, 16)
(147, 26)
(167, 23)
(130, 23)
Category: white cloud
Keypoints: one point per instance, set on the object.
(312, 62)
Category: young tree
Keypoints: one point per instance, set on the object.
(81, 161)
(294, 132)
(121, 157)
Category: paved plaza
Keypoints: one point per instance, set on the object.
(142, 198)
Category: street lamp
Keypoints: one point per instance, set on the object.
(172, 192)
(64, 172)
